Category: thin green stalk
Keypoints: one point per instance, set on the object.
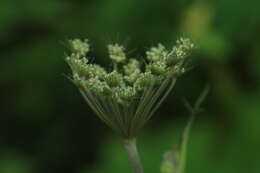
(130, 147)
(184, 144)
(185, 136)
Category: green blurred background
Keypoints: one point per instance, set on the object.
(45, 125)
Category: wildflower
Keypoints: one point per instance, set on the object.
(126, 97)
(180, 51)
(156, 53)
(158, 67)
(79, 47)
(131, 78)
(97, 87)
(145, 79)
(124, 94)
(116, 53)
(114, 79)
(133, 66)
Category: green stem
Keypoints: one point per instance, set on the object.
(130, 147)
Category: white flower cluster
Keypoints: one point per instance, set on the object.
(116, 53)
(156, 53)
(133, 66)
(97, 86)
(128, 83)
(84, 70)
(180, 51)
(114, 79)
(81, 48)
(132, 71)
(125, 94)
(144, 81)
(125, 97)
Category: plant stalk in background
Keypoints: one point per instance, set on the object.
(127, 96)
(174, 161)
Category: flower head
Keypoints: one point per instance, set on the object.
(126, 97)
(97, 87)
(123, 95)
(156, 53)
(180, 51)
(132, 66)
(116, 53)
(114, 79)
(81, 48)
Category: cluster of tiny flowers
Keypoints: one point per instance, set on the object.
(116, 53)
(80, 47)
(131, 85)
(127, 83)
(156, 53)
(132, 71)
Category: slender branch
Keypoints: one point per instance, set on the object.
(130, 147)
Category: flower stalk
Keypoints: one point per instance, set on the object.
(133, 155)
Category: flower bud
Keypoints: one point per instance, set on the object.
(156, 53)
(145, 79)
(132, 67)
(99, 88)
(124, 94)
(157, 68)
(183, 48)
(79, 47)
(114, 79)
(116, 53)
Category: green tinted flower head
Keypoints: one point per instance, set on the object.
(132, 71)
(158, 68)
(114, 79)
(145, 80)
(97, 87)
(132, 66)
(79, 47)
(131, 78)
(180, 51)
(77, 64)
(116, 53)
(156, 53)
(126, 97)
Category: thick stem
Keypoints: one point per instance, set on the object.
(130, 146)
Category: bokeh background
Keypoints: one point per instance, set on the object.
(45, 125)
